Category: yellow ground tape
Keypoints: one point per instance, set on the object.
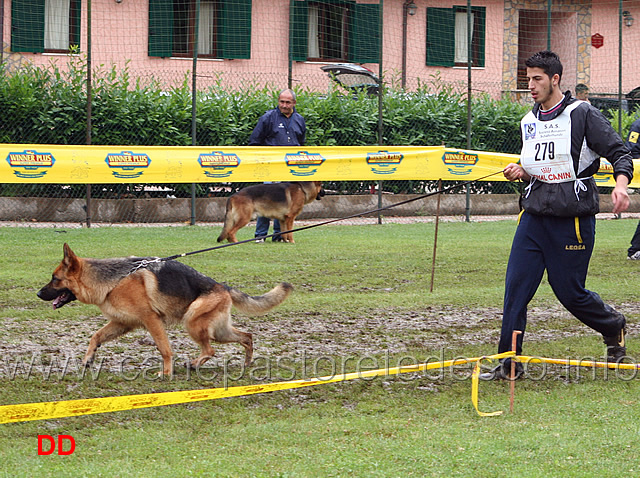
(69, 408)
(475, 377)
(578, 363)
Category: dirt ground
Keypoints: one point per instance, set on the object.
(53, 346)
(60, 344)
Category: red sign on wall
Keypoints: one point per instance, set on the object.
(597, 40)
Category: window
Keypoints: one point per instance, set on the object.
(184, 28)
(49, 26)
(335, 31)
(327, 33)
(223, 28)
(447, 36)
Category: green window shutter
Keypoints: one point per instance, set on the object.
(364, 40)
(236, 29)
(481, 15)
(160, 27)
(298, 27)
(27, 25)
(440, 36)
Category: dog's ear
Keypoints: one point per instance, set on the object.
(70, 259)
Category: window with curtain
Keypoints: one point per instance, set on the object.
(335, 30)
(223, 28)
(461, 37)
(447, 36)
(328, 32)
(184, 28)
(56, 24)
(49, 26)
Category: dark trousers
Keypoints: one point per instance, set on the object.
(262, 227)
(562, 246)
(635, 241)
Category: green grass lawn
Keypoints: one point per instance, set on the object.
(362, 293)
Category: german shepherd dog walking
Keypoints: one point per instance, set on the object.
(145, 292)
(282, 201)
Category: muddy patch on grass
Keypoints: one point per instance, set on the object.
(55, 345)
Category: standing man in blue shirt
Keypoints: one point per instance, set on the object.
(633, 143)
(281, 126)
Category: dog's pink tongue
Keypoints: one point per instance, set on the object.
(56, 301)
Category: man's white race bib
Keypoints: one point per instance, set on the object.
(546, 151)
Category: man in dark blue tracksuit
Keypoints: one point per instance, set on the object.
(563, 140)
(281, 126)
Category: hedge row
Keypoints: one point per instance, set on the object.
(46, 105)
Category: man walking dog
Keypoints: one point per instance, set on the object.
(563, 140)
(281, 126)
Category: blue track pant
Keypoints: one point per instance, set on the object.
(562, 246)
(262, 226)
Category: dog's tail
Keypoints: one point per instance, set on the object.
(261, 304)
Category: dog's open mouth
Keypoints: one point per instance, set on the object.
(64, 297)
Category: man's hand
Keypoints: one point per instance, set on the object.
(619, 195)
(514, 171)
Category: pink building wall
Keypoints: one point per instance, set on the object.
(120, 34)
(604, 60)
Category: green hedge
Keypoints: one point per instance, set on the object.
(46, 105)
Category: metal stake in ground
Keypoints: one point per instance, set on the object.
(435, 237)
(514, 339)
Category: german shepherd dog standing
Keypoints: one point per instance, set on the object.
(282, 201)
(145, 292)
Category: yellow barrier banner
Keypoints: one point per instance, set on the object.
(69, 408)
(24, 412)
(78, 164)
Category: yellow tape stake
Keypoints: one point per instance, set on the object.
(475, 379)
(50, 410)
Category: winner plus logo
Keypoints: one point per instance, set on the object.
(128, 165)
(218, 164)
(384, 162)
(460, 162)
(605, 172)
(30, 164)
(303, 163)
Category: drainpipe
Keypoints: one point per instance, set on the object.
(194, 85)
(1, 31)
(380, 98)
(88, 138)
(469, 113)
(405, 14)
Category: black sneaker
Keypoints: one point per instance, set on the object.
(503, 372)
(616, 349)
(278, 239)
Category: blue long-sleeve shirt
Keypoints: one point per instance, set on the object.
(275, 129)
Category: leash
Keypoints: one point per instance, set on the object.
(331, 221)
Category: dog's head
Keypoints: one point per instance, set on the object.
(319, 190)
(63, 281)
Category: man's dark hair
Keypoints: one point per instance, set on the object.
(548, 61)
(581, 87)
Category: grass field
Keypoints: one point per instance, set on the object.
(362, 299)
